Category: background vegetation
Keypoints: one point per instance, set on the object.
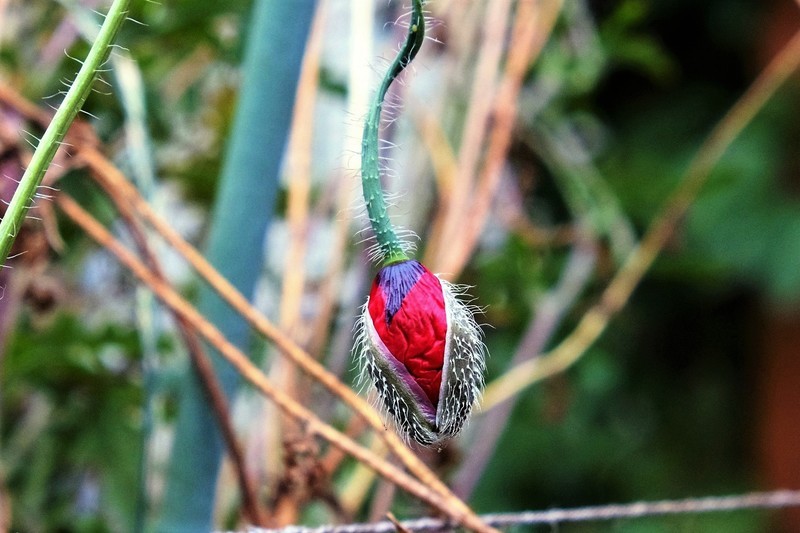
(535, 145)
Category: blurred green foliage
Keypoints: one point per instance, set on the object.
(72, 424)
(664, 405)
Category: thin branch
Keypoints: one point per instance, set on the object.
(205, 371)
(494, 22)
(298, 163)
(343, 188)
(312, 424)
(554, 517)
(54, 134)
(104, 170)
(199, 358)
(661, 229)
(533, 23)
(276, 428)
(265, 327)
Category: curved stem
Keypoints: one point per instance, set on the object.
(389, 244)
(55, 132)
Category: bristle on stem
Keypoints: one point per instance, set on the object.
(390, 246)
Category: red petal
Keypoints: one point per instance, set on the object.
(417, 332)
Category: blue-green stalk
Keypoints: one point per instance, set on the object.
(389, 243)
(243, 208)
(46, 150)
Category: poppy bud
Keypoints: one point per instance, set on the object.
(422, 349)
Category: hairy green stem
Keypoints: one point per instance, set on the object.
(389, 243)
(46, 150)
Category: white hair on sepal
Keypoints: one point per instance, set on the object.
(364, 360)
(463, 381)
(365, 370)
(360, 340)
(406, 420)
(462, 376)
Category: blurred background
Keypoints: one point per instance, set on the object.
(530, 147)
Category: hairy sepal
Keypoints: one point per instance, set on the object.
(464, 366)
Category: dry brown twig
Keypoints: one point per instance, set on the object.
(454, 206)
(661, 229)
(470, 202)
(103, 169)
(205, 371)
(264, 326)
(308, 420)
(217, 400)
(533, 25)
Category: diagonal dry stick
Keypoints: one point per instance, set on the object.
(104, 170)
(308, 420)
(205, 371)
(453, 211)
(616, 295)
(216, 397)
(533, 22)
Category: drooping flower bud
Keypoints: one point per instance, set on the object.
(422, 349)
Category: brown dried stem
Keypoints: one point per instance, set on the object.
(298, 163)
(200, 360)
(205, 371)
(106, 171)
(311, 423)
(484, 89)
(533, 24)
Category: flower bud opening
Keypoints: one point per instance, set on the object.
(422, 349)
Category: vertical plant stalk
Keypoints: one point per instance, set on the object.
(360, 44)
(55, 132)
(493, 21)
(277, 427)
(241, 214)
(534, 23)
(390, 248)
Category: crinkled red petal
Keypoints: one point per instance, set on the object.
(418, 330)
